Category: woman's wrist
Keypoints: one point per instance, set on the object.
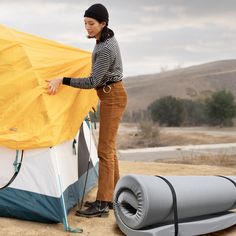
(66, 80)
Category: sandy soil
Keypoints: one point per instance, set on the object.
(107, 226)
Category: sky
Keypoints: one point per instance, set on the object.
(154, 35)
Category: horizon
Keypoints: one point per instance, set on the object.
(174, 69)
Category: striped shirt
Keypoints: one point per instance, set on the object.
(106, 66)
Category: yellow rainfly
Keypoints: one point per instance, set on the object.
(29, 117)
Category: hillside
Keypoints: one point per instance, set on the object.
(194, 82)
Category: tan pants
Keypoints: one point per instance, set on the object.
(112, 106)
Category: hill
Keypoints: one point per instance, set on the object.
(195, 82)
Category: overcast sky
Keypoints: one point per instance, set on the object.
(153, 34)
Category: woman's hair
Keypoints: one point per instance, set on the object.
(106, 34)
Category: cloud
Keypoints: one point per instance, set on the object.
(151, 33)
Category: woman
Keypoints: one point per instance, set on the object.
(106, 78)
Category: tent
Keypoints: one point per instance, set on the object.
(30, 118)
(46, 146)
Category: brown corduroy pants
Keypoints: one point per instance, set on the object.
(112, 105)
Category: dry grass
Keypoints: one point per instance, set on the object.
(145, 134)
(209, 159)
(172, 139)
(151, 135)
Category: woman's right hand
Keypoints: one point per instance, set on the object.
(53, 85)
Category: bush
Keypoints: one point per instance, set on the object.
(194, 112)
(221, 108)
(149, 133)
(167, 110)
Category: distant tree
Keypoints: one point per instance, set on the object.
(194, 112)
(164, 68)
(221, 108)
(126, 116)
(136, 116)
(167, 110)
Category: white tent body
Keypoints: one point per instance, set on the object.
(51, 180)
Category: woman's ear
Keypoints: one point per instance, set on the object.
(103, 23)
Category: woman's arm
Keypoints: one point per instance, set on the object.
(100, 68)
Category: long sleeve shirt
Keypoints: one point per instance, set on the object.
(106, 66)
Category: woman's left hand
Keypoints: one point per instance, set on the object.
(53, 85)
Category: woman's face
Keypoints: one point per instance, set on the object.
(93, 27)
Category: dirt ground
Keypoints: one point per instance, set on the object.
(130, 137)
(107, 226)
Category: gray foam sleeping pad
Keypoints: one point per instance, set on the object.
(144, 201)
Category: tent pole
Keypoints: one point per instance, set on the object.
(65, 219)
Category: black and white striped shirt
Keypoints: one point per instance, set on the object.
(106, 66)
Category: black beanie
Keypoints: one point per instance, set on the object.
(97, 12)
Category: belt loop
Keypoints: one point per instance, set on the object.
(104, 89)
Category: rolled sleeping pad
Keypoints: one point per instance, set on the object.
(144, 205)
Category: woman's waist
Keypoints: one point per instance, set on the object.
(112, 89)
(109, 81)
